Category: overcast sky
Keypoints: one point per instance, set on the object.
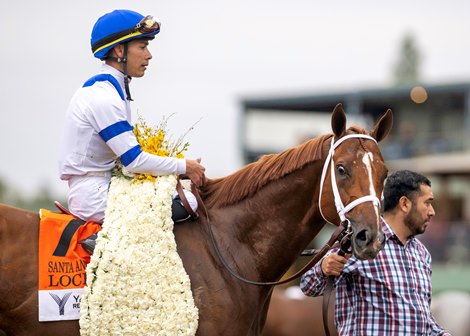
(209, 55)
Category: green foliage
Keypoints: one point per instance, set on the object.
(41, 199)
(406, 70)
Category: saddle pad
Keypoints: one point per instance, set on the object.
(62, 264)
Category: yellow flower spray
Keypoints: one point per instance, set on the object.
(157, 141)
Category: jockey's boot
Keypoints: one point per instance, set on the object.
(178, 212)
(89, 243)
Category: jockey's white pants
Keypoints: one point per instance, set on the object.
(88, 195)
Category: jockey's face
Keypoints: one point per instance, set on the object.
(138, 57)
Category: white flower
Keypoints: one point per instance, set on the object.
(136, 282)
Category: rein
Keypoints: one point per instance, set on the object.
(342, 233)
(345, 247)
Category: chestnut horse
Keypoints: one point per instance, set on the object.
(262, 217)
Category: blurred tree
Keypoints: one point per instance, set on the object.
(42, 199)
(3, 191)
(406, 70)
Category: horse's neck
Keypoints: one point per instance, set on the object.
(280, 220)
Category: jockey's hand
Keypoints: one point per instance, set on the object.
(195, 172)
(333, 264)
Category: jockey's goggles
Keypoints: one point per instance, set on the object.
(147, 27)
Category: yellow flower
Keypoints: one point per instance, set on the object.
(157, 141)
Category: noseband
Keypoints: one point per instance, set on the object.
(340, 208)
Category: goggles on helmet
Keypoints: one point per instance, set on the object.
(147, 27)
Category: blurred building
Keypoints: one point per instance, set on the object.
(431, 135)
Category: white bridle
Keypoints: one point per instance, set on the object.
(340, 208)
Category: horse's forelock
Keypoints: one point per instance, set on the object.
(246, 181)
(355, 129)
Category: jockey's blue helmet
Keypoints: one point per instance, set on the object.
(120, 26)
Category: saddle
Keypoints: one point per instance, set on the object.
(181, 212)
(88, 243)
(181, 195)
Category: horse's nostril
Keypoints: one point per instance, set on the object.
(362, 238)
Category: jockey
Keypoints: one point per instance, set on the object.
(97, 124)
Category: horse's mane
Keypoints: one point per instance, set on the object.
(245, 182)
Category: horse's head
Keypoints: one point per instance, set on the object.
(352, 181)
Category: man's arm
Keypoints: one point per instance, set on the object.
(313, 282)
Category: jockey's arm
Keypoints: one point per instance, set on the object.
(113, 127)
(124, 144)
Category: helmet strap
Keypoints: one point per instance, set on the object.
(126, 77)
(123, 60)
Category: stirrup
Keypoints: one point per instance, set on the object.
(89, 243)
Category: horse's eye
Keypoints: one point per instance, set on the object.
(341, 170)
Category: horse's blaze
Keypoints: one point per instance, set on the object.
(368, 159)
(374, 239)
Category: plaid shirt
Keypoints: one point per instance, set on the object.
(389, 295)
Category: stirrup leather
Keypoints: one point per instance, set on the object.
(179, 188)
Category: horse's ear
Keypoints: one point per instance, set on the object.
(338, 120)
(383, 126)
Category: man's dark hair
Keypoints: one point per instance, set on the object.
(402, 183)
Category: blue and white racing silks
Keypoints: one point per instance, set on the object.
(97, 131)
